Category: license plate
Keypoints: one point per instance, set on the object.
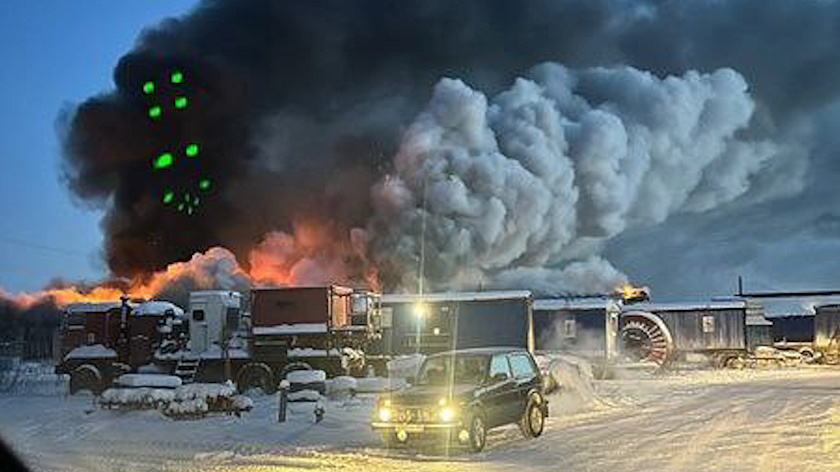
(412, 428)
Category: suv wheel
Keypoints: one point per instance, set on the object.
(478, 433)
(532, 422)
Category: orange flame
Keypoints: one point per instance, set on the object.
(311, 255)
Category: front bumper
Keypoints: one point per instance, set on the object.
(415, 427)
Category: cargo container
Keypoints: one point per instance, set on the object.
(665, 332)
(437, 322)
(793, 328)
(586, 327)
(827, 333)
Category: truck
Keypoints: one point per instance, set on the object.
(217, 338)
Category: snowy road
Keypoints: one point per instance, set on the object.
(783, 421)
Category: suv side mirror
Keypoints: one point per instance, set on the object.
(499, 377)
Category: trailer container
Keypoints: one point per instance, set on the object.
(664, 332)
(584, 326)
(435, 322)
(827, 333)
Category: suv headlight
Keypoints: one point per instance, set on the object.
(448, 414)
(384, 414)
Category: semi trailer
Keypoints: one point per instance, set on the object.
(222, 336)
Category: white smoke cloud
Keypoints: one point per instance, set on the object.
(523, 189)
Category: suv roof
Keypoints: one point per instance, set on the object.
(480, 350)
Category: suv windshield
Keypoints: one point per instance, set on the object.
(442, 370)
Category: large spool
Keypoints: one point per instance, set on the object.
(645, 338)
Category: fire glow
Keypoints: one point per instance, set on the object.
(310, 255)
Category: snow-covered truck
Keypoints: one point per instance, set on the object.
(326, 328)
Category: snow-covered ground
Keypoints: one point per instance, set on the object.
(774, 420)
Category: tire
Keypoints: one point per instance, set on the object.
(86, 377)
(532, 422)
(256, 376)
(478, 432)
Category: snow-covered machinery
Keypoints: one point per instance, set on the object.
(100, 341)
(665, 332)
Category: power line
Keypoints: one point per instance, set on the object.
(42, 247)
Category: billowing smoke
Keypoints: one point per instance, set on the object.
(321, 120)
(547, 170)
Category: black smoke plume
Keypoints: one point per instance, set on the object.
(300, 106)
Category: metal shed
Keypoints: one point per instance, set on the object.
(584, 326)
(793, 328)
(437, 322)
(827, 332)
(759, 332)
(662, 332)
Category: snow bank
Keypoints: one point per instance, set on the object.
(575, 382)
(96, 351)
(149, 380)
(136, 398)
(405, 366)
(307, 352)
(305, 396)
(341, 387)
(205, 391)
(379, 384)
(296, 328)
(306, 376)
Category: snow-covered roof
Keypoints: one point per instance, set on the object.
(735, 304)
(572, 304)
(455, 296)
(758, 321)
(157, 308)
(91, 307)
(296, 328)
(96, 351)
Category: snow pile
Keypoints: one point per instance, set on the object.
(307, 352)
(195, 408)
(306, 376)
(379, 384)
(576, 383)
(405, 366)
(149, 380)
(209, 392)
(305, 396)
(143, 398)
(341, 387)
(184, 402)
(32, 379)
(306, 380)
(96, 351)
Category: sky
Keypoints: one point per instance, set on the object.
(55, 53)
(365, 71)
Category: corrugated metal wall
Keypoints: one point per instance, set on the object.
(827, 328)
(709, 329)
(580, 331)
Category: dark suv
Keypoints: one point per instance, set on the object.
(461, 394)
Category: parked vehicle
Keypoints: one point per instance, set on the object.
(326, 328)
(459, 395)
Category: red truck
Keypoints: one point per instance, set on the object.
(325, 327)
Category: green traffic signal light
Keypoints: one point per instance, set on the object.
(177, 77)
(192, 150)
(168, 196)
(154, 112)
(149, 87)
(181, 102)
(204, 184)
